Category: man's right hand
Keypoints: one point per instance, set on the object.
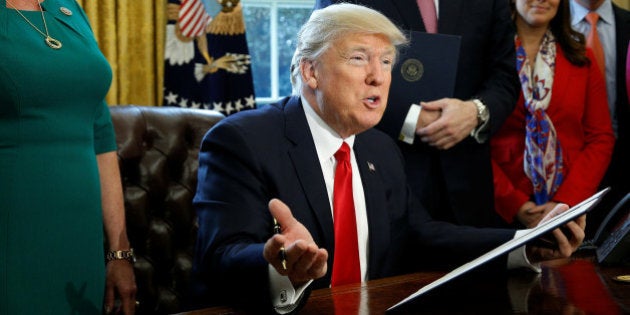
(304, 259)
(457, 119)
(426, 117)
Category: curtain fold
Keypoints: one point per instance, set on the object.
(623, 3)
(131, 35)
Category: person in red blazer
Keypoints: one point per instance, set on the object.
(563, 112)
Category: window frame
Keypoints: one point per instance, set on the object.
(274, 6)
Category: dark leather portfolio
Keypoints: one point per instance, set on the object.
(426, 69)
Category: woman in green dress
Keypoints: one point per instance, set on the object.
(59, 177)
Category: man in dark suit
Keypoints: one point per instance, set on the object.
(614, 34)
(341, 72)
(448, 167)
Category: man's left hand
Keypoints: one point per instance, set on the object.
(457, 121)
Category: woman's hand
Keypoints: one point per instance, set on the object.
(121, 283)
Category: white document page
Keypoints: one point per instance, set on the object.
(514, 243)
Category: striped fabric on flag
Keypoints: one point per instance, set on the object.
(212, 70)
(193, 18)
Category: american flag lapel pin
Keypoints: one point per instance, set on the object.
(371, 167)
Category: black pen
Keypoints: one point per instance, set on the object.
(283, 254)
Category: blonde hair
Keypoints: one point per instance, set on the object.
(330, 23)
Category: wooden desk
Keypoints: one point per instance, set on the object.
(576, 286)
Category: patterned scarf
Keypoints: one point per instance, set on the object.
(543, 153)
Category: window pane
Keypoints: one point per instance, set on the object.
(272, 26)
(289, 22)
(257, 22)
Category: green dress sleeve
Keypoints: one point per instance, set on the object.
(104, 136)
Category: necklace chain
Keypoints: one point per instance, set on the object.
(51, 42)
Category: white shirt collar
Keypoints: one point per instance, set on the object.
(605, 12)
(327, 141)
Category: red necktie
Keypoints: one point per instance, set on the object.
(429, 15)
(592, 41)
(346, 268)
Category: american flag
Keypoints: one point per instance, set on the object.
(193, 18)
(210, 70)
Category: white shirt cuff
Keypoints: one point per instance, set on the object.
(408, 132)
(480, 133)
(519, 289)
(518, 257)
(284, 297)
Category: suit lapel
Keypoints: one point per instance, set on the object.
(409, 14)
(449, 14)
(622, 27)
(71, 19)
(304, 158)
(378, 221)
(411, 19)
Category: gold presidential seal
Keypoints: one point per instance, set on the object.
(412, 70)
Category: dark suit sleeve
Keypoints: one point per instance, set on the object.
(412, 234)
(443, 245)
(500, 89)
(234, 222)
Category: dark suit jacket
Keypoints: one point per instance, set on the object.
(456, 184)
(619, 169)
(620, 166)
(253, 156)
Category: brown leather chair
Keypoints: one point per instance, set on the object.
(158, 149)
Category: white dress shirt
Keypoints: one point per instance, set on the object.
(327, 142)
(285, 297)
(607, 36)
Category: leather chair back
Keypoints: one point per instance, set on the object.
(158, 149)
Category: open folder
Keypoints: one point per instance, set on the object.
(514, 243)
(426, 69)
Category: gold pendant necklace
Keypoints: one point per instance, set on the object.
(51, 42)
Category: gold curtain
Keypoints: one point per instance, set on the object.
(131, 35)
(623, 3)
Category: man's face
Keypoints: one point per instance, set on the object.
(590, 4)
(350, 82)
